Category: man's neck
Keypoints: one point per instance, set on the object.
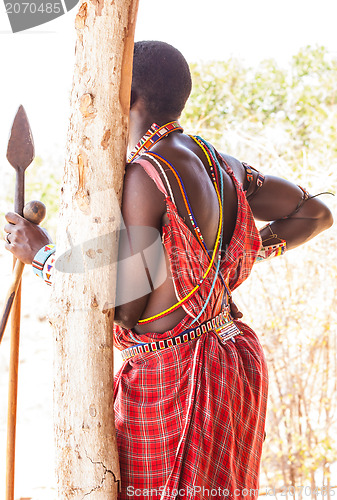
(137, 130)
(140, 124)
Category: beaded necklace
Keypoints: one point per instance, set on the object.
(152, 136)
(215, 170)
(184, 196)
(215, 258)
(216, 173)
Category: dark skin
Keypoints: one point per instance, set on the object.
(144, 205)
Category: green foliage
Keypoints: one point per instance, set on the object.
(292, 110)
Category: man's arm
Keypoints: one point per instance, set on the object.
(275, 201)
(278, 199)
(143, 207)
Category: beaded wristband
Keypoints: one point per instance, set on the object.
(271, 251)
(41, 257)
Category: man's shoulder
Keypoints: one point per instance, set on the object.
(235, 165)
(141, 196)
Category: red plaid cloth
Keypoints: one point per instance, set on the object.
(190, 419)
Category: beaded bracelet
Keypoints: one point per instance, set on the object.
(40, 259)
(267, 253)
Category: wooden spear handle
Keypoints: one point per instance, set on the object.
(35, 212)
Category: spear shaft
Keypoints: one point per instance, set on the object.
(20, 154)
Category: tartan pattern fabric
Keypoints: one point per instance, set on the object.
(190, 418)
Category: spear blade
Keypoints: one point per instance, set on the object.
(20, 150)
(20, 154)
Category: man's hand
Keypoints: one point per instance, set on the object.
(235, 312)
(24, 239)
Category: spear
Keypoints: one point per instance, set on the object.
(20, 154)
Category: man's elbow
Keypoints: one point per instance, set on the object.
(320, 213)
(326, 218)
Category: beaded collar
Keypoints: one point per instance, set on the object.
(152, 136)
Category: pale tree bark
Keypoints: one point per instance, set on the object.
(82, 314)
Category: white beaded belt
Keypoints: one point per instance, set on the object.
(222, 324)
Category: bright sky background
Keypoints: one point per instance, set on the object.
(36, 65)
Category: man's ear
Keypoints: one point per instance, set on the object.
(133, 98)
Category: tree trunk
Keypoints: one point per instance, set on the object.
(84, 280)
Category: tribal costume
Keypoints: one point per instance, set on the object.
(190, 403)
(190, 417)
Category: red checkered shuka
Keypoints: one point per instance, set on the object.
(190, 419)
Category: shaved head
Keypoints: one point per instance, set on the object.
(161, 76)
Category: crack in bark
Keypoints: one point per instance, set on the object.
(106, 471)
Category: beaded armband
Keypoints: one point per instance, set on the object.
(41, 258)
(250, 178)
